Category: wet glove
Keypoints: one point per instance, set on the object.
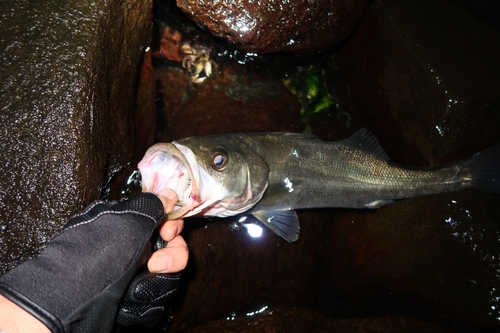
(77, 282)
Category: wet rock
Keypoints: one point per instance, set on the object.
(235, 100)
(145, 113)
(434, 256)
(168, 43)
(287, 319)
(300, 28)
(145, 118)
(173, 90)
(425, 78)
(68, 72)
(430, 98)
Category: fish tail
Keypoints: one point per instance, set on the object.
(484, 169)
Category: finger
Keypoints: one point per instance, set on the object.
(170, 229)
(168, 197)
(171, 259)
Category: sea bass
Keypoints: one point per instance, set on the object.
(270, 175)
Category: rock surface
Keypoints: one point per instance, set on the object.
(300, 28)
(287, 319)
(68, 72)
(413, 84)
(434, 256)
(144, 119)
(425, 78)
(236, 100)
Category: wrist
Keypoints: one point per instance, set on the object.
(14, 319)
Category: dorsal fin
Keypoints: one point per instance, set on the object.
(364, 140)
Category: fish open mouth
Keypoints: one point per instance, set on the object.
(167, 165)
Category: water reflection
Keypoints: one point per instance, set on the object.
(471, 227)
(253, 313)
(464, 231)
(249, 313)
(254, 230)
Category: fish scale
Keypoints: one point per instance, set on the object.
(338, 175)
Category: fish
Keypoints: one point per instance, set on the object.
(271, 175)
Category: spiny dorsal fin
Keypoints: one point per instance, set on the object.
(365, 141)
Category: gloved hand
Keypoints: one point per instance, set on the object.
(148, 295)
(79, 291)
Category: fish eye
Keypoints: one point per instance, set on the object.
(219, 159)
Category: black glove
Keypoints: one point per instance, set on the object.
(78, 280)
(146, 298)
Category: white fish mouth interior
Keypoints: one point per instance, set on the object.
(175, 175)
(166, 170)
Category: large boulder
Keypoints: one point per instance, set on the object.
(424, 76)
(300, 28)
(68, 75)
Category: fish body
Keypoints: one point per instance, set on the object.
(270, 175)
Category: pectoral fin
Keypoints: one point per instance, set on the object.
(284, 223)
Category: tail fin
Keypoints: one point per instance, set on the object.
(485, 169)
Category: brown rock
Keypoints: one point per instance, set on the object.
(407, 76)
(67, 74)
(300, 28)
(173, 90)
(145, 113)
(288, 319)
(435, 256)
(236, 101)
(169, 44)
(425, 78)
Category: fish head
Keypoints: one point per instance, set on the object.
(212, 176)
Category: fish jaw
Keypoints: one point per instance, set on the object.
(167, 165)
